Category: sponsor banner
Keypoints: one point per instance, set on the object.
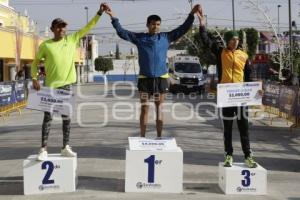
(288, 99)
(271, 95)
(20, 91)
(239, 94)
(6, 91)
(56, 101)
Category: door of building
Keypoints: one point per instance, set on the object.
(1, 70)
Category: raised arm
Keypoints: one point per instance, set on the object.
(247, 72)
(91, 24)
(184, 28)
(207, 41)
(122, 33)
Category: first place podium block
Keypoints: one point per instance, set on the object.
(239, 179)
(57, 174)
(154, 166)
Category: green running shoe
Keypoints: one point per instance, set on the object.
(228, 161)
(249, 161)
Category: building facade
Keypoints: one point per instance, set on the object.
(19, 43)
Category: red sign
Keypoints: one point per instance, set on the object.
(261, 58)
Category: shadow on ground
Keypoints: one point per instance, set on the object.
(11, 185)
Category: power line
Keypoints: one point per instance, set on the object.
(70, 2)
(175, 19)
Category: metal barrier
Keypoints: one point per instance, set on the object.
(283, 101)
(13, 97)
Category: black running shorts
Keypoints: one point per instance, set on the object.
(153, 85)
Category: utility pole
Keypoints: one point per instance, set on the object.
(233, 16)
(290, 38)
(86, 46)
(278, 18)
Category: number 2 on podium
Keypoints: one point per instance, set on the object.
(46, 179)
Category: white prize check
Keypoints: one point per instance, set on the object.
(239, 94)
(56, 101)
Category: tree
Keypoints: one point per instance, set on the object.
(103, 65)
(252, 39)
(199, 49)
(286, 69)
(296, 61)
(195, 46)
(183, 42)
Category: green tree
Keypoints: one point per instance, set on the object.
(103, 65)
(252, 39)
(296, 59)
(192, 42)
(197, 48)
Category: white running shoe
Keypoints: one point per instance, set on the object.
(43, 155)
(67, 152)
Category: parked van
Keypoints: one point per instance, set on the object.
(186, 74)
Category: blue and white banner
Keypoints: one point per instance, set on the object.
(239, 94)
(56, 101)
(271, 94)
(19, 91)
(6, 90)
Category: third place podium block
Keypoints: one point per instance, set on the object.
(55, 175)
(154, 165)
(239, 179)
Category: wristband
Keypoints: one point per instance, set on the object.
(99, 12)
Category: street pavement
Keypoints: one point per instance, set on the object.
(104, 119)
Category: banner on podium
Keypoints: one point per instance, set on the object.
(161, 144)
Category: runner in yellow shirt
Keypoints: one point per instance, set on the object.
(233, 67)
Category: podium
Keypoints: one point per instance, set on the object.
(57, 174)
(153, 165)
(239, 179)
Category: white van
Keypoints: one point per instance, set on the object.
(186, 74)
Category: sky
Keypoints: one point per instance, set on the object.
(133, 14)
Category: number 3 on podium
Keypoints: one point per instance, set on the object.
(247, 180)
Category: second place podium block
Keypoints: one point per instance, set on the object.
(57, 174)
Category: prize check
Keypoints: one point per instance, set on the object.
(56, 101)
(239, 94)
